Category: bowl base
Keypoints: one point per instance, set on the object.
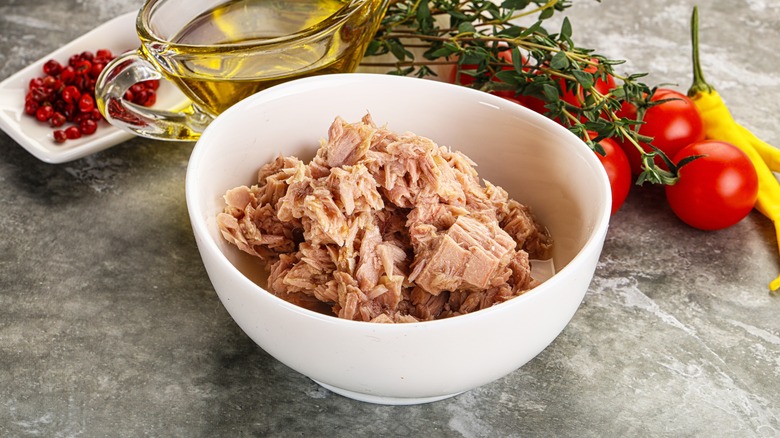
(382, 400)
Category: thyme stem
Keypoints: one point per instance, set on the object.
(545, 66)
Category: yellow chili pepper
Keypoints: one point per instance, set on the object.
(720, 125)
(769, 153)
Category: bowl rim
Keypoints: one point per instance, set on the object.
(201, 229)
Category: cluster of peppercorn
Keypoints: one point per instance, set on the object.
(66, 94)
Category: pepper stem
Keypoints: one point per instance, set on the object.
(699, 84)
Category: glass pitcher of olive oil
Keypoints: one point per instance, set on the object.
(220, 52)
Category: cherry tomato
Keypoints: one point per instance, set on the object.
(459, 77)
(618, 171)
(601, 85)
(716, 190)
(673, 125)
(568, 96)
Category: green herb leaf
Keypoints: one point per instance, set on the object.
(515, 4)
(583, 78)
(559, 61)
(566, 28)
(466, 28)
(546, 13)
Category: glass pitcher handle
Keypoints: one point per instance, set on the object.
(122, 73)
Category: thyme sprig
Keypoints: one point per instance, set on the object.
(474, 36)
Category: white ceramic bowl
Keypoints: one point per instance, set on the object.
(537, 161)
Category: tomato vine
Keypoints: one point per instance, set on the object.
(419, 36)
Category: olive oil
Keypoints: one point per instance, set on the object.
(243, 46)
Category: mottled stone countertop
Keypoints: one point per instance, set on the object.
(109, 325)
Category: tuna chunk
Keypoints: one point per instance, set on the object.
(441, 269)
(347, 143)
(384, 227)
(470, 254)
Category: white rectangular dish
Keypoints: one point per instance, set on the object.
(117, 35)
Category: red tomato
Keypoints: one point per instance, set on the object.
(618, 171)
(458, 77)
(568, 96)
(716, 190)
(602, 86)
(672, 125)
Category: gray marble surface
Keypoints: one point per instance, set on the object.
(110, 327)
